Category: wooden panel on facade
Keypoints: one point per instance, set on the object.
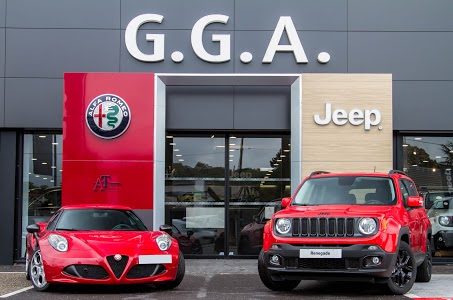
(347, 147)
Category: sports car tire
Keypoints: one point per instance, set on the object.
(179, 275)
(36, 270)
(27, 266)
(425, 269)
(404, 272)
(284, 285)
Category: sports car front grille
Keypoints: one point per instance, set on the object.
(86, 271)
(117, 266)
(323, 227)
(143, 271)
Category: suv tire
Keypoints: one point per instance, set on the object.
(284, 285)
(404, 272)
(424, 271)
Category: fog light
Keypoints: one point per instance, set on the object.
(372, 248)
(372, 261)
(376, 260)
(275, 260)
(275, 246)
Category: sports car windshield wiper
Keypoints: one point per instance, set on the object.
(67, 229)
(301, 204)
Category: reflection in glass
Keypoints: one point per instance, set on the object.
(259, 177)
(429, 161)
(42, 171)
(194, 192)
(198, 190)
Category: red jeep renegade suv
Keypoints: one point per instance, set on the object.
(349, 226)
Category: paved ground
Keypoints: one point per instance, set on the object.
(223, 279)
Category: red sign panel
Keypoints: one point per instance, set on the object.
(108, 137)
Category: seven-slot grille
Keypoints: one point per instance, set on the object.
(323, 227)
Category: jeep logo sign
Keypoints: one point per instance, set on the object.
(285, 25)
(368, 117)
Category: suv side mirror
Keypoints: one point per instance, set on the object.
(415, 201)
(286, 201)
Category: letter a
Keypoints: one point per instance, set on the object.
(295, 46)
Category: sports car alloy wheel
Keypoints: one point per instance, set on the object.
(404, 272)
(38, 277)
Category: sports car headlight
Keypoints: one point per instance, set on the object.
(163, 242)
(367, 226)
(283, 226)
(444, 220)
(58, 242)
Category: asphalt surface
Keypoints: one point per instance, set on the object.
(221, 280)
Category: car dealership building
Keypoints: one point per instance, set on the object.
(202, 114)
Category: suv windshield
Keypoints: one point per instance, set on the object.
(360, 190)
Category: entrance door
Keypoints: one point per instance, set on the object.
(220, 189)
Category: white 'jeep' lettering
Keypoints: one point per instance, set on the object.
(448, 177)
(368, 117)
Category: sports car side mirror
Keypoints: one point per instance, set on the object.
(286, 201)
(415, 201)
(166, 228)
(34, 228)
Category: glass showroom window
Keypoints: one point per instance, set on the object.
(42, 170)
(429, 161)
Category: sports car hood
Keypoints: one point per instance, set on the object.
(333, 211)
(112, 242)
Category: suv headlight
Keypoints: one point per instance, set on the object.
(163, 241)
(58, 242)
(367, 226)
(283, 226)
(444, 220)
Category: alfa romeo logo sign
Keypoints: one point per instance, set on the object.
(108, 116)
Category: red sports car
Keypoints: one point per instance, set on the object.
(101, 244)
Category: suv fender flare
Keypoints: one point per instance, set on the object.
(403, 231)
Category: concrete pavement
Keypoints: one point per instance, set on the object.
(12, 278)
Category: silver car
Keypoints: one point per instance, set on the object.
(441, 216)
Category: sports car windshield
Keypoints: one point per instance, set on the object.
(99, 219)
(360, 190)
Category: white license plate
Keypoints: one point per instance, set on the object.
(154, 259)
(320, 253)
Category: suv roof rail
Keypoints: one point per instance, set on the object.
(397, 172)
(317, 173)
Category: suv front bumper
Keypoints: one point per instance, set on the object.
(355, 263)
(443, 239)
